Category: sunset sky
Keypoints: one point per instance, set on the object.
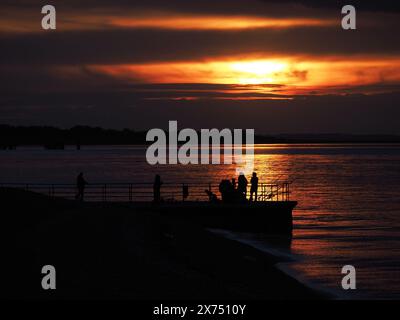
(276, 66)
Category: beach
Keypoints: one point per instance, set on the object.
(109, 251)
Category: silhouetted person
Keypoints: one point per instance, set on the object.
(254, 186)
(212, 197)
(242, 186)
(80, 185)
(185, 192)
(227, 191)
(157, 188)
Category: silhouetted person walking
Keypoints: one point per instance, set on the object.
(157, 188)
(254, 186)
(80, 185)
(242, 186)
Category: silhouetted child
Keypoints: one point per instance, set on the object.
(242, 186)
(212, 197)
(157, 188)
(80, 185)
(254, 187)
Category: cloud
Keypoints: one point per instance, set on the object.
(134, 46)
(365, 5)
(59, 77)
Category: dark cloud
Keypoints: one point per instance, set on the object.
(136, 46)
(113, 94)
(212, 6)
(114, 46)
(225, 7)
(367, 5)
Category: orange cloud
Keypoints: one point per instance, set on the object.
(26, 21)
(214, 22)
(297, 75)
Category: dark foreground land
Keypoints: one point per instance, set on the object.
(108, 251)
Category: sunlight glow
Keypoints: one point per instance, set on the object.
(275, 76)
(258, 72)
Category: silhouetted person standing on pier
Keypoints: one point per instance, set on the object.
(157, 188)
(227, 191)
(242, 186)
(80, 185)
(254, 186)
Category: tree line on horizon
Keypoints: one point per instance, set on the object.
(12, 136)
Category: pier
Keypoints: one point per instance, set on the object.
(272, 212)
(143, 192)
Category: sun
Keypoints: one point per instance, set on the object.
(258, 72)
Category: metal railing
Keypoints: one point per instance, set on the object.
(139, 192)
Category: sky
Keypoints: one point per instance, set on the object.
(275, 66)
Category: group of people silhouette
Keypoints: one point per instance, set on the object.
(231, 192)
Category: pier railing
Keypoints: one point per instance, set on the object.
(135, 192)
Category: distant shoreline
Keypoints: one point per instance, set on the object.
(14, 136)
(327, 144)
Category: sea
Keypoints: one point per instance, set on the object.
(348, 196)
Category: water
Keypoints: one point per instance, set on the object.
(348, 195)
